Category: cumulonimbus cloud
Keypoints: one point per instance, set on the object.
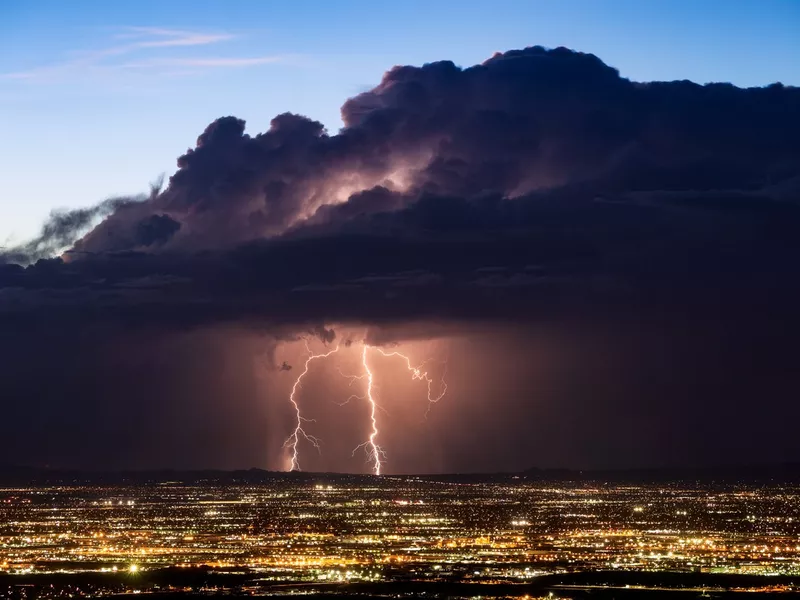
(545, 163)
(538, 190)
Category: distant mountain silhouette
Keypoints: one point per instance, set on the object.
(722, 473)
(21, 475)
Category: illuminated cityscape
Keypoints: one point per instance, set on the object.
(355, 529)
(390, 300)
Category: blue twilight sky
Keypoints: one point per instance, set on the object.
(99, 97)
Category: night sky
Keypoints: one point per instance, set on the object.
(603, 271)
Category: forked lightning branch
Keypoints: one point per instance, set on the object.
(376, 455)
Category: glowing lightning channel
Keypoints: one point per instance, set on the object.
(375, 453)
(293, 439)
(417, 373)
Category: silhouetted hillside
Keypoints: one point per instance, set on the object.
(18, 475)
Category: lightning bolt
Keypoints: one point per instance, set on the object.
(294, 438)
(418, 373)
(353, 379)
(375, 454)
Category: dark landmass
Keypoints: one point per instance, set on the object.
(179, 582)
(787, 473)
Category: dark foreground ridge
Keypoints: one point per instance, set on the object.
(17, 475)
(204, 581)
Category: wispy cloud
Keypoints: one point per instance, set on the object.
(205, 62)
(157, 37)
(142, 48)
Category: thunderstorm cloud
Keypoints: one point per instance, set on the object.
(639, 238)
